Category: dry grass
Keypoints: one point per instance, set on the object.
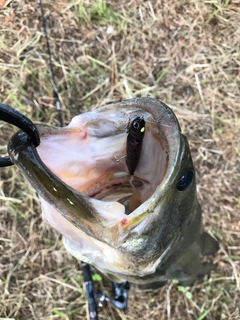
(187, 53)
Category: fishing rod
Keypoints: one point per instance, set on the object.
(87, 276)
(120, 289)
(14, 117)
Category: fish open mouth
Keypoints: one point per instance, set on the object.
(129, 223)
(87, 194)
(90, 156)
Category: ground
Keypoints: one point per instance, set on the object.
(186, 53)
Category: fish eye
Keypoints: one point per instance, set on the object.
(185, 180)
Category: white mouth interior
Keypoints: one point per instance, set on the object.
(89, 155)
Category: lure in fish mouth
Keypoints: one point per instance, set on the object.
(143, 226)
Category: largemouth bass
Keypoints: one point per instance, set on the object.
(146, 228)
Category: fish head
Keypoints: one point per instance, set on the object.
(120, 223)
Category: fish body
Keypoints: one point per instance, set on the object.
(85, 193)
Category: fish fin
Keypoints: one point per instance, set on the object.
(208, 244)
(203, 269)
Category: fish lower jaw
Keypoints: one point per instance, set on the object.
(109, 260)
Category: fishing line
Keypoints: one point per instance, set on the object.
(89, 288)
(55, 90)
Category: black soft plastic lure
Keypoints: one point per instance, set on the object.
(134, 143)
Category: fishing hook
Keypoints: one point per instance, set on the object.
(16, 118)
